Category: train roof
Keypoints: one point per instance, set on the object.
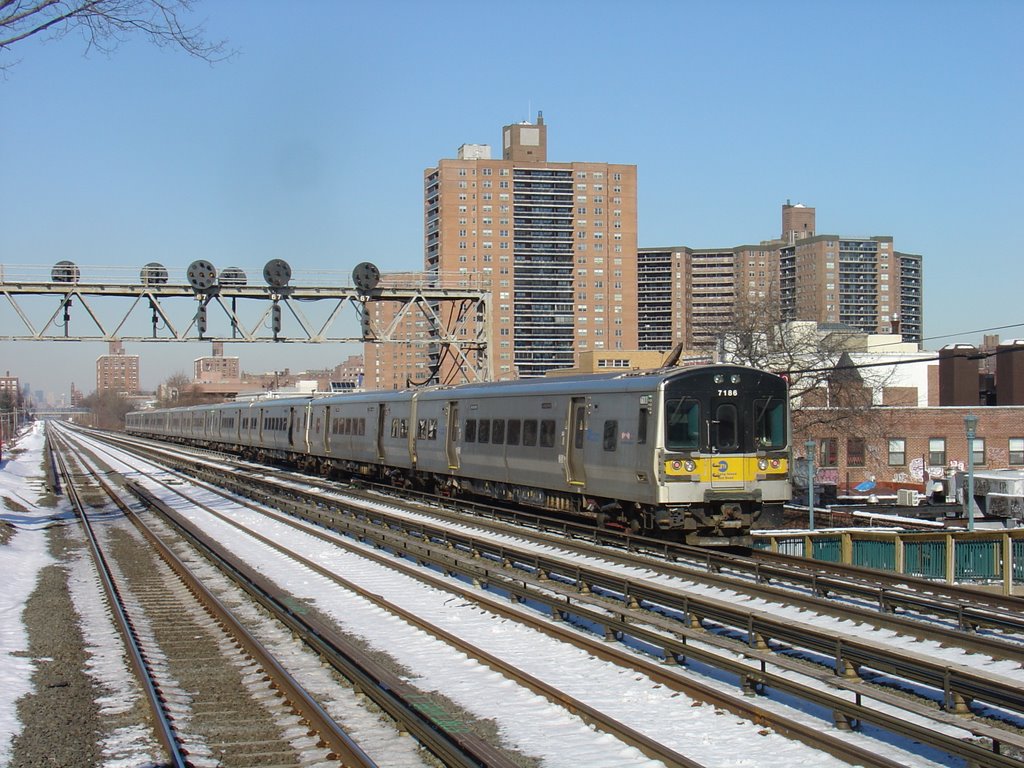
(630, 381)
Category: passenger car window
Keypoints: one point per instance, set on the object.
(512, 432)
(547, 433)
(610, 435)
(470, 431)
(530, 432)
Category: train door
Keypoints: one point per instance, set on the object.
(327, 429)
(382, 414)
(577, 438)
(305, 425)
(723, 439)
(452, 436)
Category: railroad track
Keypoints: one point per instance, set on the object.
(966, 608)
(217, 697)
(406, 709)
(582, 595)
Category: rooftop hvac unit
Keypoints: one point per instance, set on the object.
(907, 497)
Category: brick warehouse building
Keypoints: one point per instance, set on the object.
(907, 446)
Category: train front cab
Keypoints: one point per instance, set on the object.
(725, 452)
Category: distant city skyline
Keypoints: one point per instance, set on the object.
(309, 145)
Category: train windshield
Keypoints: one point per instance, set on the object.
(770, 422)
(682, 423)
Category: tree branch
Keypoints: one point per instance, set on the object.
(106, 23)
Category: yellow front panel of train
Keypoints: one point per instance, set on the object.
(726, 469)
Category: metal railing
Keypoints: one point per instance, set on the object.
(963, 557)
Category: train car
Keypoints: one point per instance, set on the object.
(694, 453)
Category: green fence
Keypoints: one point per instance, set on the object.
(875, 554)
(980, 557)
(926, 559)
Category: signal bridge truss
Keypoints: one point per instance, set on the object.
(445, 314)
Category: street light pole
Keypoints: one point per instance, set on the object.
(970, 426)
(809, 445)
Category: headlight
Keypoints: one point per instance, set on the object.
(690, 466)
(762, 464)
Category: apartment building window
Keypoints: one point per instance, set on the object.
(937, 452)
(978, 449)
(828, 452)
(855, 451)
(897, 451)
(1016, 450)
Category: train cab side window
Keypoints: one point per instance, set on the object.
(641, 427)
(682, 424)
(547, 433)
(610, 435)
(470, 431)
(512, 432)
(770, 423)
(483, 433)
(529, 432)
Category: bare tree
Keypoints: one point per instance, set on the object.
(829, 391)
(177, 390)
(105, 24)
(108, 409)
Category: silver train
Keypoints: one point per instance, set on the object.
(690, 453)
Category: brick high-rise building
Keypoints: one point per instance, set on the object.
(116, 371)
(554, 242)
(686, 295)
(216, 368)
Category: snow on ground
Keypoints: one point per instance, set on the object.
(23, 557)
(527, 721)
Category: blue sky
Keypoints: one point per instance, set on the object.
(894, 118)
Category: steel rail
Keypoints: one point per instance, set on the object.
(870, 654)
(136, 655)
(515, 585)
(969, 607)
(336, 739)
(396, 697)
